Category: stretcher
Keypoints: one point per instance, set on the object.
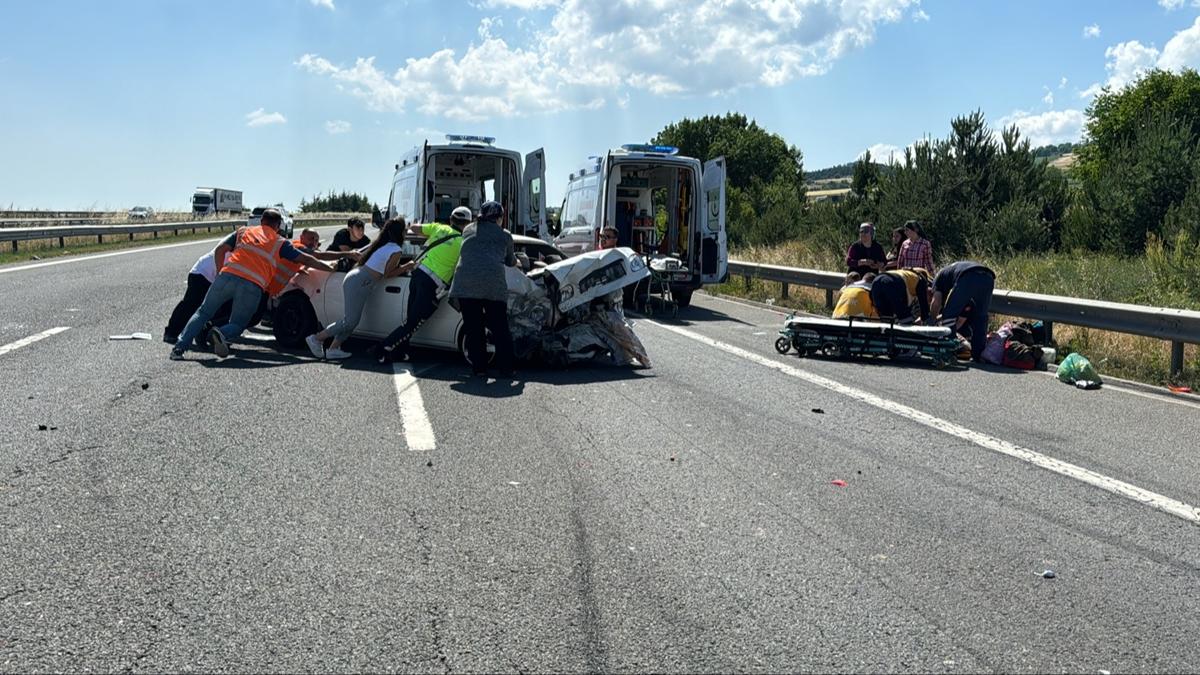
(843, 338)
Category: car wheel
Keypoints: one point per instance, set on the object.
(294, 319)
(462, 348)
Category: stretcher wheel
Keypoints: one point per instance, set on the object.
(782, 345)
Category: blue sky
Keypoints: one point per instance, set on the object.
(112, 104)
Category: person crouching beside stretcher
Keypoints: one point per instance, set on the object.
(855, 299)
(902, 295)
(962, 294)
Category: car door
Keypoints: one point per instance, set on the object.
(385, 307)
(714, 252)
(534, 183)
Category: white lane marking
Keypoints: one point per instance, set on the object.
(418, 432)
(1165, 504)
(143, 249)
(12, 346)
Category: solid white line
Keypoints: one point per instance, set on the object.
(1166, 504)
(418, 432)
(12, 346)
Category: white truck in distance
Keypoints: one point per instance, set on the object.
(432, 180)
(209, 200)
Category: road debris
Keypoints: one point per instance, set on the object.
(145, 386)
(840, 483)
(1077, 370)
(1179, 389)
(818, 411)
(131, 336)
(1049, 574)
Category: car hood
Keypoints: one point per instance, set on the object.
(595, 274)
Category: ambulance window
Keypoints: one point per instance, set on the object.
(404, 198)
(535, 198)
(580, 206)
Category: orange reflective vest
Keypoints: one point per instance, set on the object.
(284, 271)
(254, 259)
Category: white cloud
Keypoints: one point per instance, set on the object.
(328, 4)
(1062, 84)
(335, 127)
(1182, 50)
(595, 53)
(519, 4)
(920, 15)
(1170, 5)
(1054, 126)
(1091, 31)
(261, 118)
(1127, 61)
(1048, 99)
(884, 153)
(1093, 89)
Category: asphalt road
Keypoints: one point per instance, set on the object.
(270, 512)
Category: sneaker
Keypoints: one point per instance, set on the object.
(315, 346)
(219, 346)
(337, 354)
(175, 355)
(169, 338)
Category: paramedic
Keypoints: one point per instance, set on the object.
(481, 290)
(902, 295)
(855, 299)
(962, 292)
(246, 275)
(432, 273)
(865, 255)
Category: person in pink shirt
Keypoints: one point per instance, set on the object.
(916, 251)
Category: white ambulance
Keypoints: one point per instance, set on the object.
(662, 205)
(432, 180)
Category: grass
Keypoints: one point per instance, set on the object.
(1091, 276)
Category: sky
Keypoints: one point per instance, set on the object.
(116, 103)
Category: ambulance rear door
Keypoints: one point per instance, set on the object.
(533, 218)
(714, 252)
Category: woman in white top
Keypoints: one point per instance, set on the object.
(379, 261)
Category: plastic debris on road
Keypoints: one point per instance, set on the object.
(840, 483)
(1049, 574)
(818, 411)
(131, 336)
(1077, 370)
(1179, 390)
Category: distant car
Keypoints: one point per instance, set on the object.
(314, 299)
(285, 228)
(141, 213)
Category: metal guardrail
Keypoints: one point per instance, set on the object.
(64, 232)
(1177, 326)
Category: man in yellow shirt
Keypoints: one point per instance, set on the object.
(855, 299)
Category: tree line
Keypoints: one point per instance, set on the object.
(1134, 190)
(342, 202)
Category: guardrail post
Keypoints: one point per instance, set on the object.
(61, 243)
(14, 245)
(784, 293)
(828, 298)
(1049, 326)
(747, 278)
(99, 239)
(130, 236)
(1176, 359)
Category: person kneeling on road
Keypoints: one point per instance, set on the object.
(432, 273)
(380, 261)
(480, 288)
(902, 295)
(246, 276)
(962, 293)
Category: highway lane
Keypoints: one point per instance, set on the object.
(266, 513)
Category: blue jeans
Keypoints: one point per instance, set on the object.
(356, 289)
(244, 295)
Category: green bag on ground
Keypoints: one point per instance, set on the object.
(1077, 370)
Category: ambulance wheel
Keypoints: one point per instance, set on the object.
(294, 320)
(682, 297)
(782, 345)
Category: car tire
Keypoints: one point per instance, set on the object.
(294, 319)
(462, 348)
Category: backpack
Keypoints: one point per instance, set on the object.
(993, 351)
(1019, 355)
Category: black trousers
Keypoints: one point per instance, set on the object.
(972, 296)
(197, 288)
(889, 294)
(422, 303)
(479, 318)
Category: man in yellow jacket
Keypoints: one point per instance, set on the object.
(855, 299)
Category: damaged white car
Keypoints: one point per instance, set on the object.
(561, 313)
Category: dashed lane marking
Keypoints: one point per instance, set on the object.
(1152, 499)
(418, 432)
(24, 342)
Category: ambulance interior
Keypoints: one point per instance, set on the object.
(642, 194)
(469, 179)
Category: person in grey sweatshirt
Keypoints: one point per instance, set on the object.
(481, 291)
